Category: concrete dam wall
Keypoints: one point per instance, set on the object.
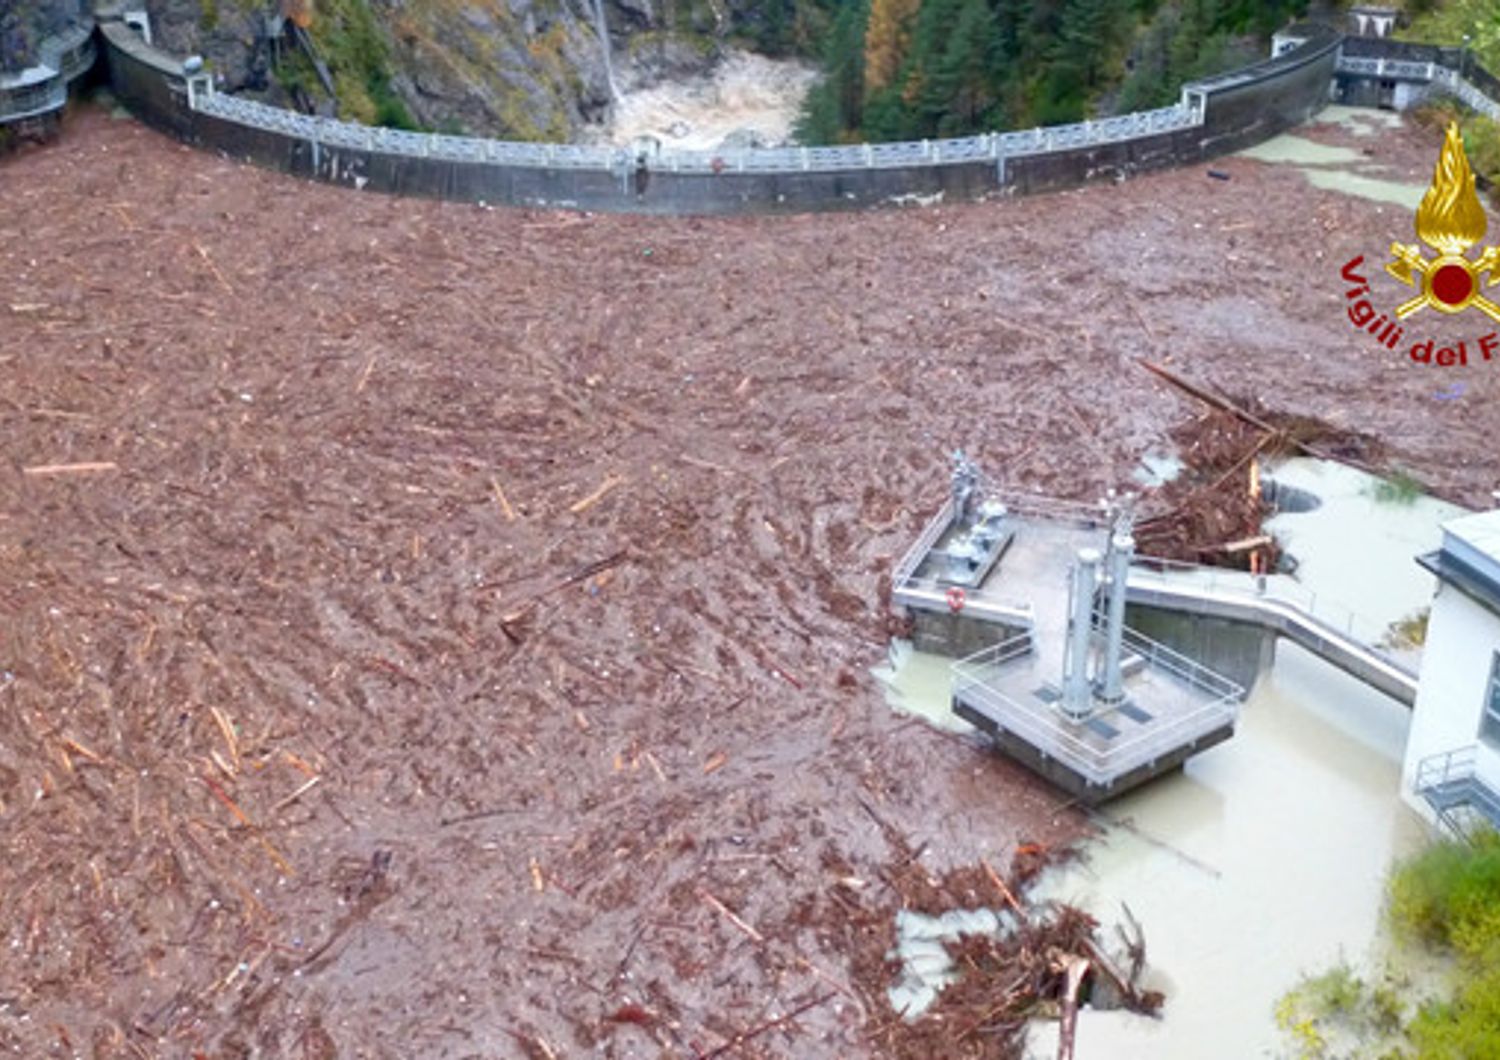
(1212, 117)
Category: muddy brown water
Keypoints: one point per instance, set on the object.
(576, 526)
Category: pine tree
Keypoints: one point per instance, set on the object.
(834, 109)
(1091, 38)
(956, 46)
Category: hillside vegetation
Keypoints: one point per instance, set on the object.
(907, 69)
(1476, 25)
(1445, 900)
(1472, 22)
(519, 69)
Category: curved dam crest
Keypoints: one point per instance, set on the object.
(1213, 117)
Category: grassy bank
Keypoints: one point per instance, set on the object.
(1445, 901)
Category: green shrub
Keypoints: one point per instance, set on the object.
(1482, 145)
(360, 57)
(1437, 113)
(1448, 898)
(1330, 1007)
(1449, 895)
(1400, 489)
(1454, 20)
(1410, 631)
(1464, 1028)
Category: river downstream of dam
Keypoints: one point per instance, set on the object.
(744, 100)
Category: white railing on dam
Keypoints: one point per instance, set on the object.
(1210, 116)
(1451, 80)
(1466, 93)
(988, 147)
(43, 87)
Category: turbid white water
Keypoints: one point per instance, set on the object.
(1337, 168)
(745, 94)
(1356, 551)
(1264, 859)
(926, 967)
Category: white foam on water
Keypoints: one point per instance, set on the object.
(743, 92)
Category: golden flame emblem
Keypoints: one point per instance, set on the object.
(1450, 221)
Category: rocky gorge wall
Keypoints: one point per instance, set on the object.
(516, 69)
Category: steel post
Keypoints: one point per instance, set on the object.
(1077, 701)
(1121, 551)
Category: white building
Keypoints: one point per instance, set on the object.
(1452, 768)
(1370, 20)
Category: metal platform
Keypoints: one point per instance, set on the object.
(1448, 783)
(1027, 588)
(1132, 709)
(1173, 708)
(1279, 605)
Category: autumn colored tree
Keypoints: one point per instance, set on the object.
(952, 67)
(887, 41)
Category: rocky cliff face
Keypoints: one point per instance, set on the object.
(521, 69)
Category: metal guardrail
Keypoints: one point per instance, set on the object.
(61, 59)
(1330, 631)
(333, 133)
(1160, 657)
(1337, 617)
(1467, 93)
(1048, 733)
(1051, 509)
(1449, 782)
(1008, 650)
(930, 593)
(1386, 68)
(1445, 767)
(1427, 72)
(985, 148)
(934, 529)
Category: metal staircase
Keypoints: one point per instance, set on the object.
(1462, 801)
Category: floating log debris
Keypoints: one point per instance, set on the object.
(1045, 958)
(85, 468)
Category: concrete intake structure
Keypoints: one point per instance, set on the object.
(1023, 648)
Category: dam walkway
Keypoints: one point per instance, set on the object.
(1281, 606)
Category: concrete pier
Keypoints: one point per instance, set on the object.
(1061, 683)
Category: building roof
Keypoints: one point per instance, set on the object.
(1470, 556)
(1475, 539)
